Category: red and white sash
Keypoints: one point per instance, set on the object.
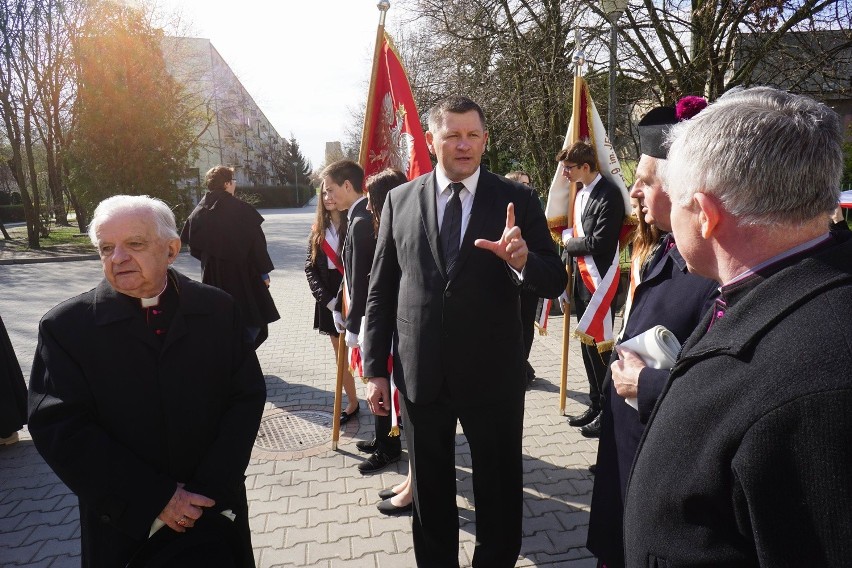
(595, 327)
(332, 255)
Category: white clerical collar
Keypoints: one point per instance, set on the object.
(469, 182)
(155, 300)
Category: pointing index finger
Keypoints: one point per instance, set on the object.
(510, 215)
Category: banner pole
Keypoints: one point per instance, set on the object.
(579, 60)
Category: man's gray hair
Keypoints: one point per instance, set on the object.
(159, 212)
(769, 156)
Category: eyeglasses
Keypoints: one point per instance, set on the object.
(569, 168)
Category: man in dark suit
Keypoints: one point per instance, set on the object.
(454, 247)
(344, 181)
(599, 214)
(145, 400)
(747, 458)
(665, 294)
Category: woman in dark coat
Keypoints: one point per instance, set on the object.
(224, 233)
(663, 293)
(324, 271)
(13, 391)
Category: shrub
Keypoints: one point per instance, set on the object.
(12, 213)
(275, 196)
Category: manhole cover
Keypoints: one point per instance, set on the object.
(294, 430)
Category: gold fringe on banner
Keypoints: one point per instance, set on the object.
(394, 433)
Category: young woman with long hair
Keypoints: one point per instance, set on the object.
(324, 270)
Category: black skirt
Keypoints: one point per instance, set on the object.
(323, 320)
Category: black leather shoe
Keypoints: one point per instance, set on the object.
(344, 417)
(593, 429)
(367, 446)
(377, 462)
(582, 419)
(387, 494)
(593, 468)
(388, 508)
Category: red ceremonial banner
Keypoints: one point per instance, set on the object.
(392, 133)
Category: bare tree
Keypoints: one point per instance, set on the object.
(705, 47)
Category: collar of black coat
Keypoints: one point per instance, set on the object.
(110, 306)
(773, 297)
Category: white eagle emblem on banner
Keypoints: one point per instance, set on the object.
(396, 144)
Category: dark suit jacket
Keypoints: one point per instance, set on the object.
(121, 418)
(602, 221)
(747, 458)
(358, 249)
(670, 296)
(463, 329)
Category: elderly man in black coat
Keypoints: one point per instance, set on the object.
(747, 459)
(665, 294)
(145, 400)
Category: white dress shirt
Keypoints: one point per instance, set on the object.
(466, 196)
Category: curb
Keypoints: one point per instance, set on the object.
(40, 260)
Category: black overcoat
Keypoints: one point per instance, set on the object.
(668, 295)
(747, 458)
(122, 419)
(13, 389)
(225, 234)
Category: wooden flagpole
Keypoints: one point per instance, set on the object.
(342, 350)
(579, 60)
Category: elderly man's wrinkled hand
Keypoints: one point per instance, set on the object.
(625, 373)
(183, 509)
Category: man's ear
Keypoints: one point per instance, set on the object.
(709, 213)
(429, 139)
(347, 186)
(174, 249)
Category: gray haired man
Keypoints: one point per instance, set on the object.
(747, 460)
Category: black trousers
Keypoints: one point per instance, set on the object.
(494, 433)
(594, 362)
(389, 445)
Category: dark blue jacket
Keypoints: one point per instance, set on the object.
(669, 296)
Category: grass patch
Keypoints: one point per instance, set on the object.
(66, 240)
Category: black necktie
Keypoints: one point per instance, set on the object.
(451, 227)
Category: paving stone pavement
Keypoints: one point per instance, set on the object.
(312, 507)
